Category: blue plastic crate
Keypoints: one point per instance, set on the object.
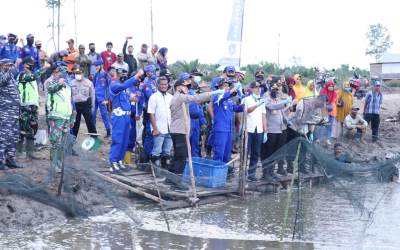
(208, 173)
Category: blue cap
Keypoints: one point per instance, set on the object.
(184, 76)
(11, 35)
(29, 36)
(377, 83)
(229, 69)
(5, 61)
(150, 67)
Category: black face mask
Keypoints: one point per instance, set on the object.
(39, 47)
(31, 67)
(123, 78)
(30, 42)
(92, 49)
(274, 93)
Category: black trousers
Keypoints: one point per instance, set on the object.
(375, 120)
(85, 109)
(180, 153)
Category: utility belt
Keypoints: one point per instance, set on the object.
(119, 112)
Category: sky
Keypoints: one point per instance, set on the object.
(322, 33)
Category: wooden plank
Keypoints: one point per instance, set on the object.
(127, 187)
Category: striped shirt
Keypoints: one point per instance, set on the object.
(373, 102)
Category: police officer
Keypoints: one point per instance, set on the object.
(30, 50)
(60, 116)
(9, 114)
(102, 82)
(120, 118)
(29, 94)
(149, 87)
(197, 119)
(223, 108)
(9, 49)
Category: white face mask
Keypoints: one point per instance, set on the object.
(197, 79)
(78, 77)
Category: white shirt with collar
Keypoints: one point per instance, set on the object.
(255, 118)
(159, 106)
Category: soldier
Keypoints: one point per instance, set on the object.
(60, 115)
(9, 114)
(28, 121)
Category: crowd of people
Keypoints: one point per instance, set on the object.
(138, 91)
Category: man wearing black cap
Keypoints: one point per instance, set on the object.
(9, 49)
(29, 93)
(9, 114)
(177, 129)
(30, 50)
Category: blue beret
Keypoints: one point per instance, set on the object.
(229, 69)
(29, 36)
(5, 61)
(11, 35)
(184, 76)
(150, 67)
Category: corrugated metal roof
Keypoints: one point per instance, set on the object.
(389, 58)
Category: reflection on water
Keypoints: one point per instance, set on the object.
(326, 221)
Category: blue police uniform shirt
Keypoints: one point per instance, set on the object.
(9, 51)
(118, 95)
(134, 90)
(102, 81)
(32, 52)
(149, 87)
(223, 112)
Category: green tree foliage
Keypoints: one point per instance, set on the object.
(343, 73)
(379, 40)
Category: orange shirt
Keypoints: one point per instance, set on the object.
(70, 58)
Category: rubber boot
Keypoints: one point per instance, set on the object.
(30, 150)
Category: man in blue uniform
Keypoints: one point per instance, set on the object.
(149, 87)
(9, 49)
(9, 114)
(223, 108)
(197, 118)
(102, 81)
(121, 109)
(30, 50)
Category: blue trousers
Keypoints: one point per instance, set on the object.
(222, 146)
(195, 137)
(162, 145)
(119, 137)
(148, 139)
(132, 133)
(103, 112)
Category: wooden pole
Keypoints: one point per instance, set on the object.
(189, 149)
(243, 152)
(290, 189)
(159, 196)
(129, 188)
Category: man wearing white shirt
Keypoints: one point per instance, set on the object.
(120, 64)
(256, 126)
(160, 118)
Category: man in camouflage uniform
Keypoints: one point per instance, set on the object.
(60, 115)
(9, 114)
(29, 94)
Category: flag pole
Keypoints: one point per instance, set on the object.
(241, 36)
(151, 22)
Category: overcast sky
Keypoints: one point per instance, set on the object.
(321, 33)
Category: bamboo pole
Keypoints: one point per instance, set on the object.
(243, 152)
(129, 188)
(289, 197)
(159, 197)
(189, 149)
